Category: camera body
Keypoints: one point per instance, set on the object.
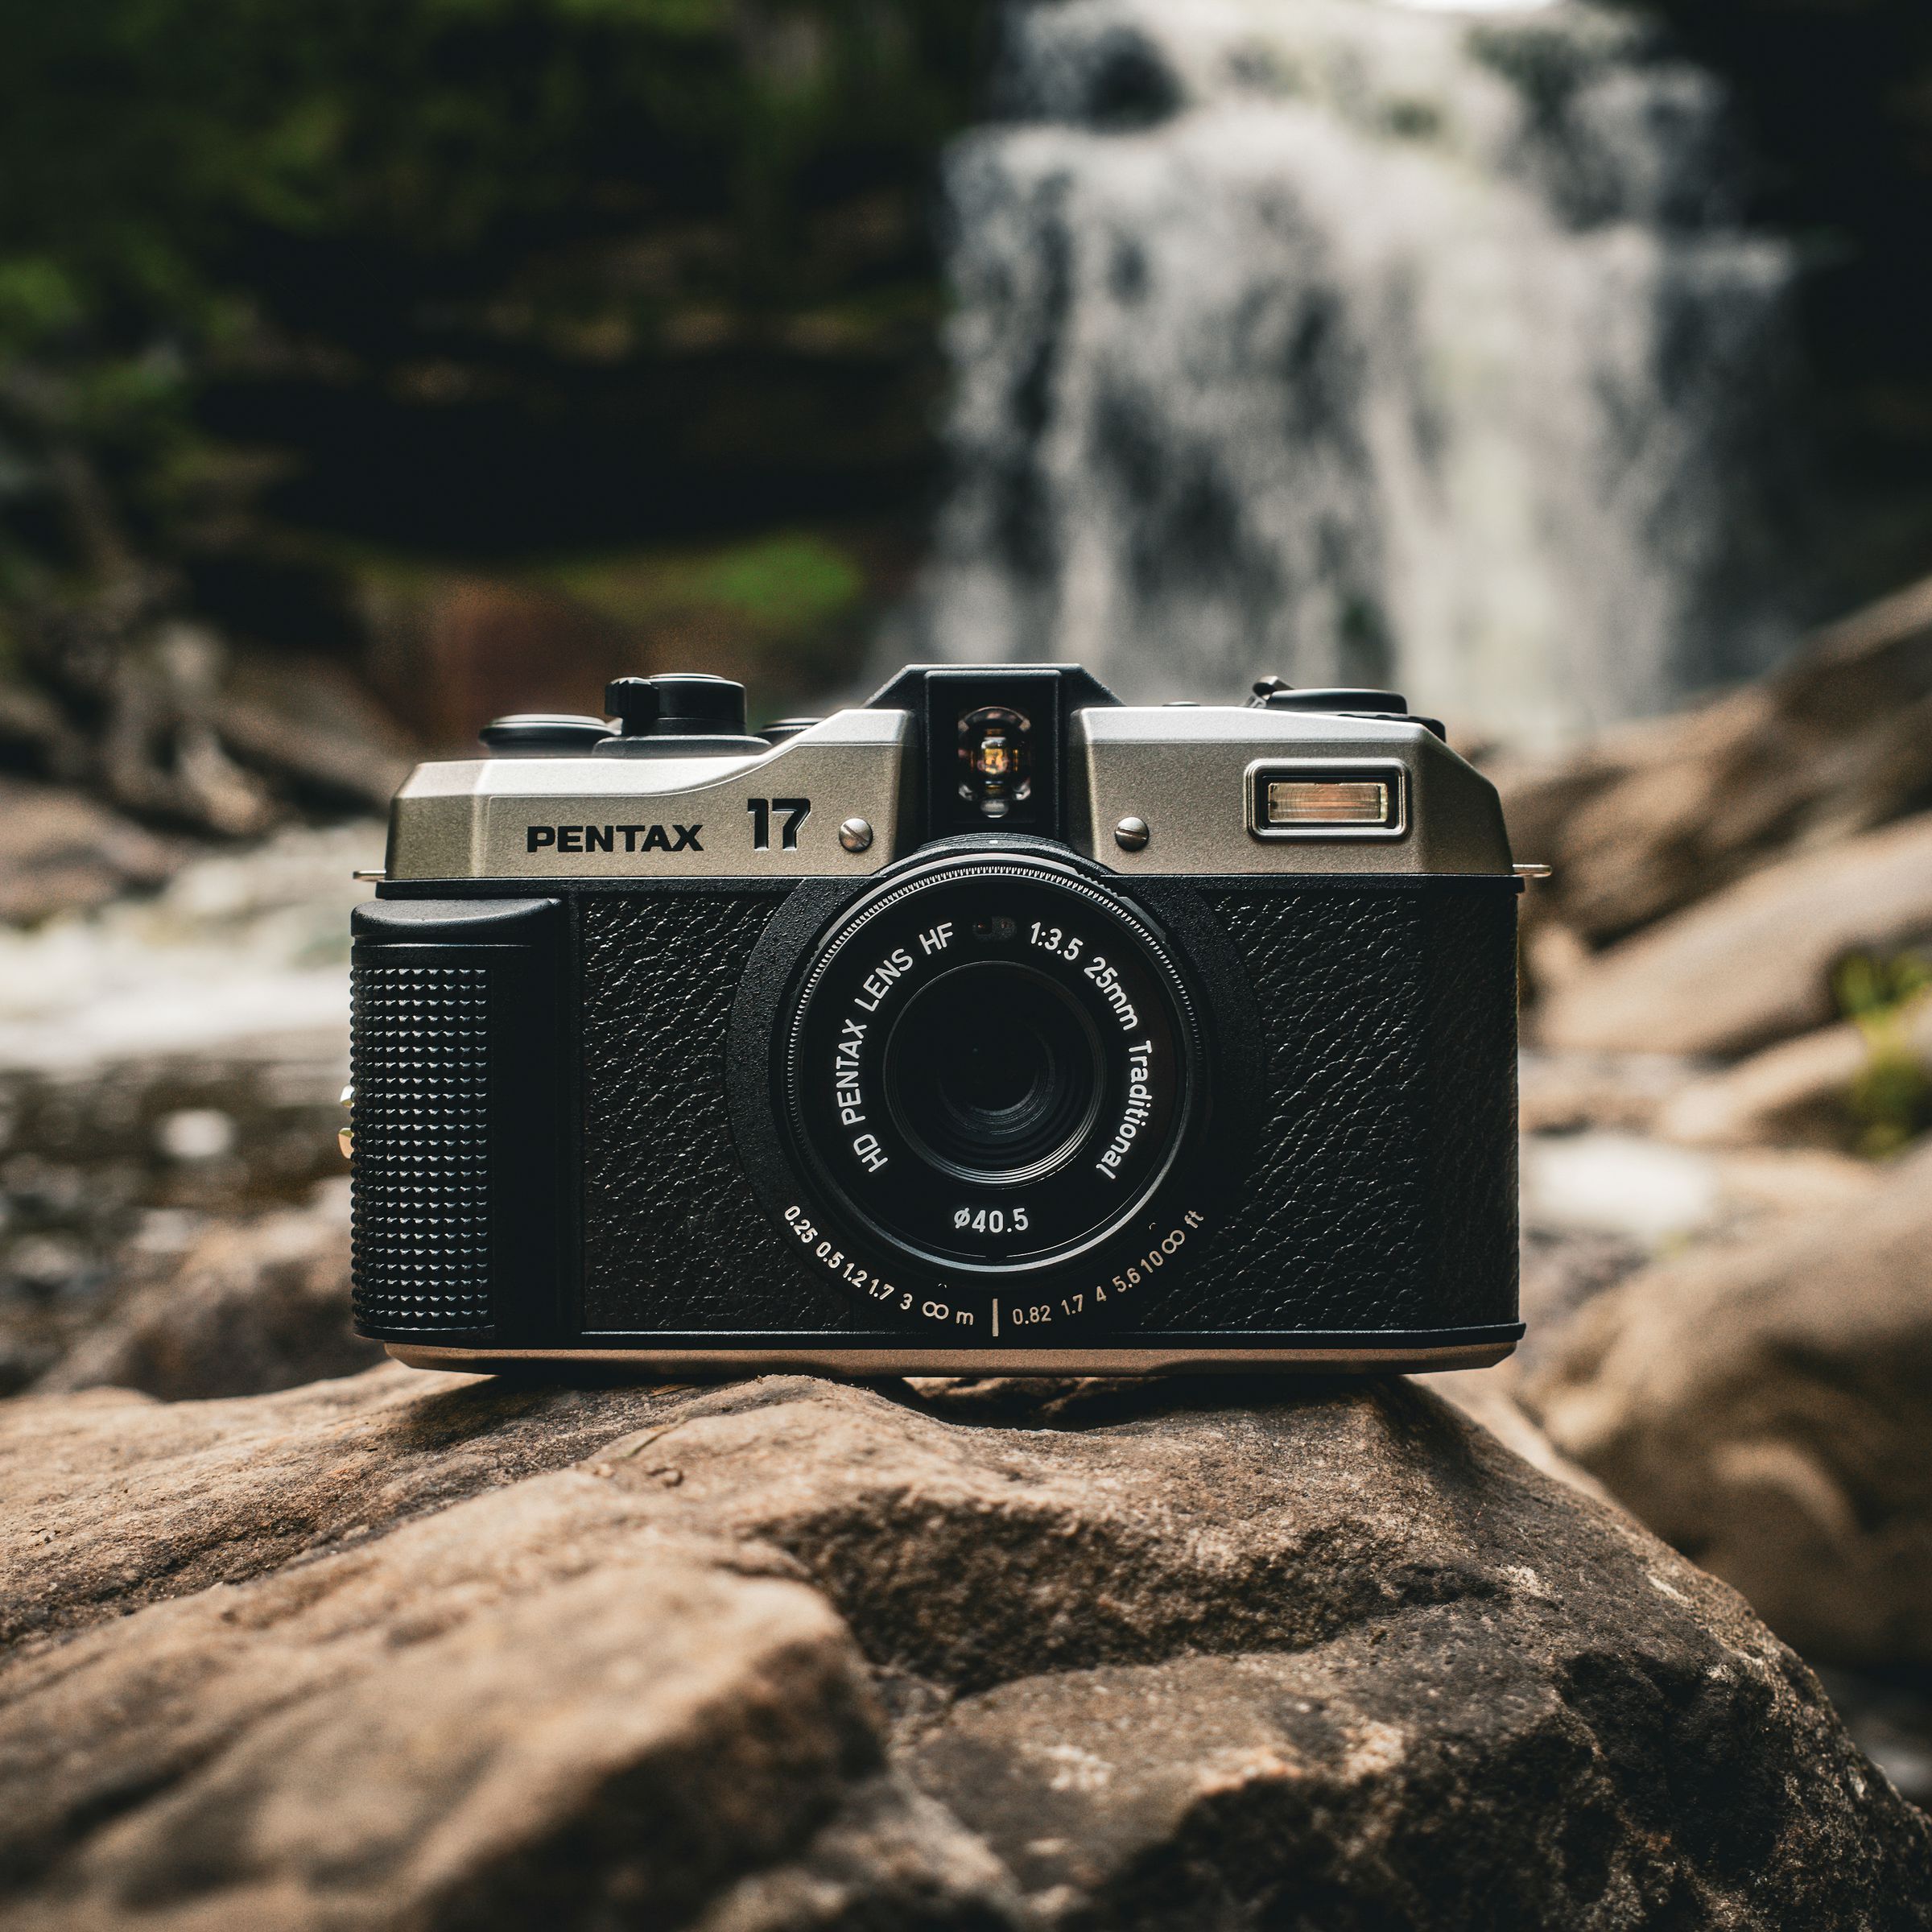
(991, 1026)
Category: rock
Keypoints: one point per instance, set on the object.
(1766, 1407)
(253, 1306)
(1889, 1712)
(1800, 1091)
(1650, 1195)
(315, 730)
(418, 1650)
(1795, 1091)
(1656, 816)
(1752, 964)
(1561, 1092)
(60, 851)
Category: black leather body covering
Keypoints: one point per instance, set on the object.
(1381, 1185)
(1372, 1190)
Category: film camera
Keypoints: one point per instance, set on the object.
(992, 1026)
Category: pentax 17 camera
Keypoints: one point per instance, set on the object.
(992, 1026)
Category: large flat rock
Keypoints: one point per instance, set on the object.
(1752, 963)
(1766, 1405)
(420, 1651)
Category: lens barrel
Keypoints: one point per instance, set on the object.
(992, 1063)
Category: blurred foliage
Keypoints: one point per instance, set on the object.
(285, 284)
(421, 197)
(777, 582)
(1892, 1098)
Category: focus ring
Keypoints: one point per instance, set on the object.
(992, 1064)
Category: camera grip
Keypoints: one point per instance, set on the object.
(454, 1096)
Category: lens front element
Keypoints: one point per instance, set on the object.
(994, 1073)
(993, 1064)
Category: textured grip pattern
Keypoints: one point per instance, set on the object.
(420, 1059)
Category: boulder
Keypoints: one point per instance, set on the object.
(1654, 817)
(1765, 1407)
(255, 1305)
(1753, 964)
(314, 730)
(420, 1650)
(62, 852)
(1800, 1091)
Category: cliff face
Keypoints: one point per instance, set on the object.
(1836, 98)
(437, 344)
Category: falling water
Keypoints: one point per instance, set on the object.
(1366, 345)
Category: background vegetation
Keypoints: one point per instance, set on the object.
(608, 319)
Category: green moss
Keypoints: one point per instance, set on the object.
(206, 202)
(1891, 1099)
(779, 585)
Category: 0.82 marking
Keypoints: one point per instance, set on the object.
(1039, 1313)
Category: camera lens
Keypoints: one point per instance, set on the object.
(991, 1065)
(994, 1073)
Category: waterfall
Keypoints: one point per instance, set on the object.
(1366, 345)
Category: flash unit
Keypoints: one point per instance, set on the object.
(1313, 799)
(1327, 802)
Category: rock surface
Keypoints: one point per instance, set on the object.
(1765, 1407)
(418, 1650)
(1752, 963)
(1797, 1092)
(254, 1306)
(60, 851)
(1641, 824)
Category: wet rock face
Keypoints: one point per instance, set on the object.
(253, 1306)
(410, 1650)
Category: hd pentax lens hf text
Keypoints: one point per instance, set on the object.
(991, 1024)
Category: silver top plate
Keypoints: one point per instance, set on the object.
(1189, 772)
(684, 817)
